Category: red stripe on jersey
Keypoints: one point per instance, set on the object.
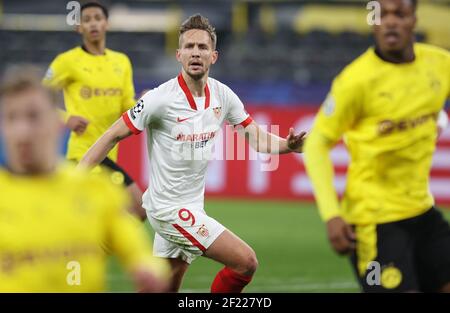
(206, 96)
(188, 93)
(129, 124)
(246, 122)
(189, 237)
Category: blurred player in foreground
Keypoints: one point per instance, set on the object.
(98, 87)
(182, 117)
(386, 105)
(55, 219)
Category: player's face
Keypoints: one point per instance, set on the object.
(396, 31)
(196, 53)
(30, 128)
(93, 24)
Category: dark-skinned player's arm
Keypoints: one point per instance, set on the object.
(321, 172)
(58, 77)
(339, 112)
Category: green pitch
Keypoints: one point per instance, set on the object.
(290, 242)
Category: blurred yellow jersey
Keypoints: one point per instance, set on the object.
(96, 87)
(387, 115)
(54, 231)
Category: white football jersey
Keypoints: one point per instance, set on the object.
(180, 136)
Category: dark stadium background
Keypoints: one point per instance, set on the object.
(280, 58)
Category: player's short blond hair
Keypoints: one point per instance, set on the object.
(20, 78)
(198, 21)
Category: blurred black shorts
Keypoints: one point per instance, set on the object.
(412, 255)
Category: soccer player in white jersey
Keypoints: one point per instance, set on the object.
(184, 115)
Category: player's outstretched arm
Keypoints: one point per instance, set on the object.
(266, 142)
(98, 152)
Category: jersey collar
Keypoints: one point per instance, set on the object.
(188, 93)
(379, 55)
(83, 47)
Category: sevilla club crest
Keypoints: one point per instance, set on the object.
(217, 112)
(203, 231)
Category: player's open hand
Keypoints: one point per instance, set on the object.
(295, 142)
(77, 124)
(341, 236)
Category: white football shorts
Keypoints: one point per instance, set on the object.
(184, 233)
